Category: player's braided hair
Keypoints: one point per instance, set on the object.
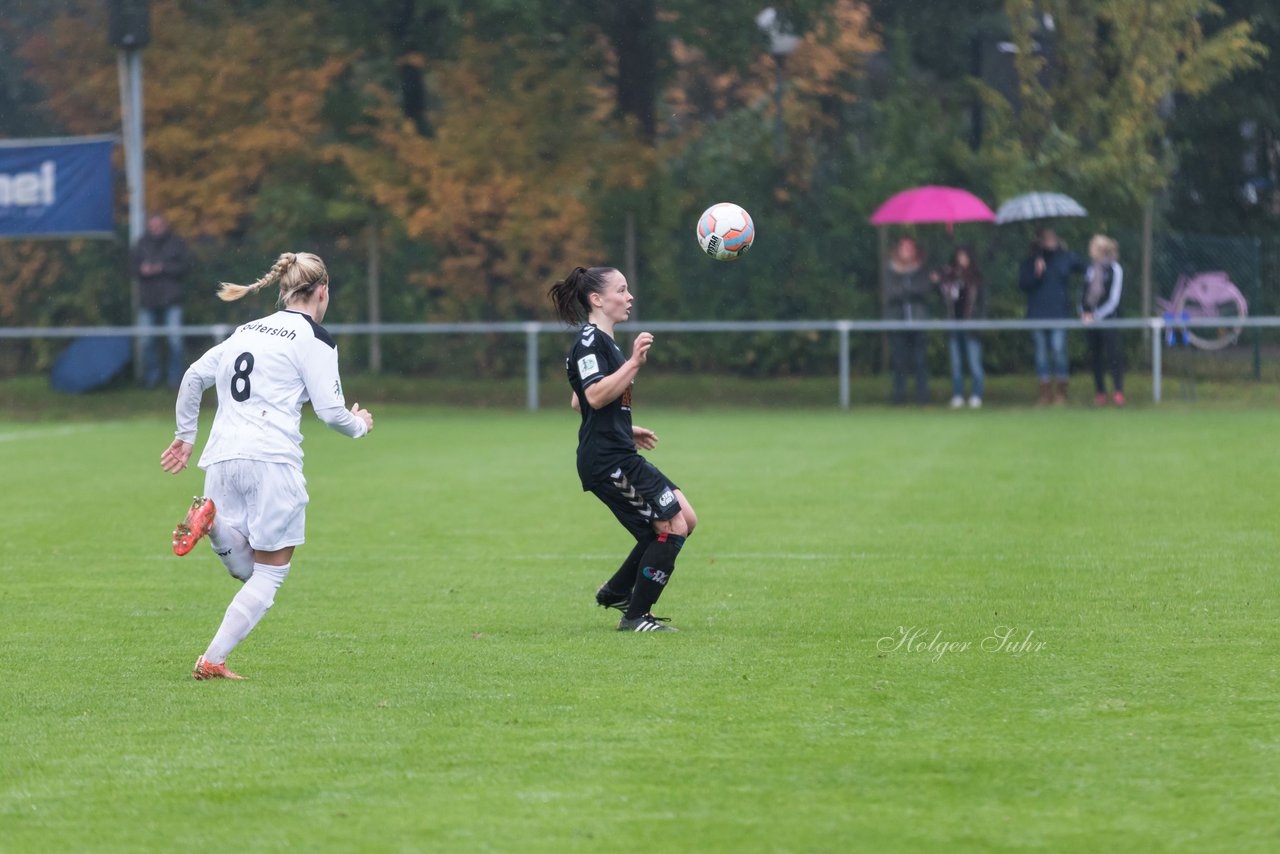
(570, 294)
(299, 273)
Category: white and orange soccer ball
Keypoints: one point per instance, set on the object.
(725, 231)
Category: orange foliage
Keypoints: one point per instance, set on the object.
(31, 270)
(825, 60)
(227, 98)
(504, 191)
(504, 188)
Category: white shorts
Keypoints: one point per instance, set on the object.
(267, 502)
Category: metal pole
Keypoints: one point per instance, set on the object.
(531, 364)
(779, 131)
(844, 366)
(1157, 344)
(882, 259)
(129, 69)
(1148, 217)
(629, 257)
(138, 195)
(375, 302)
(1257, 297)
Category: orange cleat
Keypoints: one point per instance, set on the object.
(206, 670)
(198, 522)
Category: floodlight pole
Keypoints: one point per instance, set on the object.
(129, 66)
(782, 43)
(779, 129)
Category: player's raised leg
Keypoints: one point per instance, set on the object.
(232, 548)
(197, 523)
(229, 534)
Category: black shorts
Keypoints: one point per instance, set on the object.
(638, 494)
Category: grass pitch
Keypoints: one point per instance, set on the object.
(435, 676)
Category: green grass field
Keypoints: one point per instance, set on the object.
(435, 676)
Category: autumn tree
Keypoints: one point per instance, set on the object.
(1094, 101)
(504, 187)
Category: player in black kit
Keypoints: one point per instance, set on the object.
(647, 504)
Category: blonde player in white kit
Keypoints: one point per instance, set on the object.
(254, 509)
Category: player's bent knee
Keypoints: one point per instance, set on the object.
(232, 548)
(687, 511)
(675, 525)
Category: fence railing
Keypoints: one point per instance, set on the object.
(533, 330)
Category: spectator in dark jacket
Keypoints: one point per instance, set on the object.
(908, 288)
(1103, 284)
(1045, 278)
(160, 261)
(965, 299)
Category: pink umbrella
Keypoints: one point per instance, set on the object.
(933, 204)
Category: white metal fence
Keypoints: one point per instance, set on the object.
(533, 330)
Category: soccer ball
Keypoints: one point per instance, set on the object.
(725, 231)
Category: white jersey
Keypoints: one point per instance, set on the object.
(264, 373)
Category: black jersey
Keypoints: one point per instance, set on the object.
(605, 435)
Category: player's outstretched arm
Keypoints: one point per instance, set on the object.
(324, 386)
(197, 378)
(175, 457)
(354, 422)
(610, 388)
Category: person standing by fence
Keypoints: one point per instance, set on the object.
(1103, 284)
(908, 289)
(1044, 277)
(962, 292)
(161, 261)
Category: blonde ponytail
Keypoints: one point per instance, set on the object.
(299, 274)
(228, 292)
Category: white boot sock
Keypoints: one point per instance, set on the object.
(246, 609)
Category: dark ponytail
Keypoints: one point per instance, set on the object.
(570, 294)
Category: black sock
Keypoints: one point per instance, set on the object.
(656, 566)
(625, 578)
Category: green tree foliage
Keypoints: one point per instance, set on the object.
(497, 143)
(1228, 145)
(1095, 101)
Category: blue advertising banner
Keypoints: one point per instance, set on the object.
(56, 187)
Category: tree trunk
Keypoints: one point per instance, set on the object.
(633, 30)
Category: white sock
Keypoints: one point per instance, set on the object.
(246, 609)
(233, 549)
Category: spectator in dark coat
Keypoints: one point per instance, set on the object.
(1045, 278)
(161, 261)
(908, 289)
